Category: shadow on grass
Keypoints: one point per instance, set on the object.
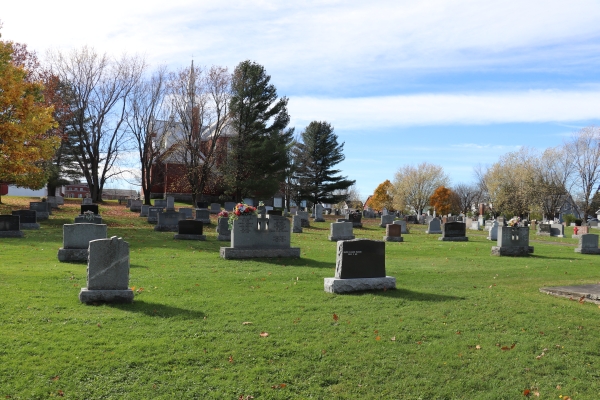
(409, 295)
(158, 310)
(314, 228)
(296, 262)
(551, 257)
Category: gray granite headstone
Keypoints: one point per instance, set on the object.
(135, 206)
(318, 210)
(153, 214)
(10, 226)
(223, 229)
(170, 203)
(304, 218)
(434, 226)
(557, 230)
(296, 224)
(76, 239)
(162, 203)
(144, 210)
(493, 235)
(215, 208)
(387, 219)
(512, 241)
(203, 215)
(229, 206)
(87, 200)
(341, 231)
(188, 212)
(402, 223)
(168, 221)
(107, 272)
(588, 244)
(474, 225)
(42, 208)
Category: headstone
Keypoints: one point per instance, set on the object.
(223, 229)
(593, 224)
(76, 239)
(402, 223)
(41, 208)
(501, 220)
(203, 215)
(87, 200)
(144, 210)
(411, 219)
(588, 244)
(393, 233)
(512, 241)
(162, 203)
(107, 272)
(578, 231)
(386, 220)
(468, 222)
(189, 230)
(297, 224)
(27, 218)
(341, 231)
(170, 203)
(10, 226)
(319, 213)
(557, 230)
(89, 207)
(293, 210)
(355, 218)
(168, 221)
(88, 218)
(202, 205)
(215, 208)
(229, 205)
(474, 225)
(153, 214)
(129, 203)
(275, 212)
(60, 200)
(434, 226)
(493, 235)
(188, 212)
(52, 201)
(544, 229)
(250, 241)
(454, 232)
(304, 218)
(135, 206)
(360, 265)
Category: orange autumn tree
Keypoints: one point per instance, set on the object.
(442, 200)
(383, 196)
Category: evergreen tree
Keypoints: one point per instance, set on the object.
(258, 158)
(315, 157)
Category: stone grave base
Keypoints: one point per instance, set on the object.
(357, 224)
(296, 230)
(543, 234)
(319, 220)
(11, 234)
(106, 296)
(143, 214)
(434, 232)
(224, 238)
(30, 226)
(393, 239)
(587, 251)
(523, 251)
(135, 209)
(590, 293)
(166, 228)
(489, 238)
(180, 236)
(305, 223)
(335, 285)
(42, 216)
(72, 254)
(454, 239)
(336, 238)
(153, 220)
(204, 221)
(231, 253)
(575, 236)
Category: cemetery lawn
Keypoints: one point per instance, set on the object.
(461, 324)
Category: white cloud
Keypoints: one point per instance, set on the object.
(443, 109)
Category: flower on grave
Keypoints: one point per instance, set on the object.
(261, 203)
(514, 222)
(223, 214)
(241, 209)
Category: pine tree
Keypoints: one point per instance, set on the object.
(315, 157)
(258, 158)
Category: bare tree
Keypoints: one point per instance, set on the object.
(148, 120)
(467, 196)
(99, 86)
(199, 102)
(413, 186)
(584, 150)
(553, 171)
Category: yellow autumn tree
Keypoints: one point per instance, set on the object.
(26, 142)
(442, 200)
(383, 196)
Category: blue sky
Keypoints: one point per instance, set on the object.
(456, 83)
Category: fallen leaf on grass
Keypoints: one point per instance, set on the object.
(231, 359)
(478, 347)
(60, 393)
(247, 323)
(582, 299)
(377, 337)
(280, 386)
(264, 334)
(335, 317)
(393, 339)
(508, 348)
(56, 378)
(242, 397)
(526, 392)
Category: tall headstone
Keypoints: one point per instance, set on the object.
(304, 218)
(10, 226)
(588, 244)
(454, 232)
(474, 225)
(493, 235)
(387, 219)
(107, 272)
(393, 233)
(27, 219)
(319, 213)
(76, 239)
(296, 224)
(223, 229)
(512, 241)
(189, 230)
(341, 231)
(434, 227)
(360, 265)
(250, 241)
(170, 203)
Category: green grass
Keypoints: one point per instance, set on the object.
(184, 337)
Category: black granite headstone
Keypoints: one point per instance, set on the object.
(411, 219)
(354, 217)
(40, 206)
(360, 258)
(9, 223)
(89, 207)
(202, 204)
(190, 227)
(545, 228)
(275, 212)
(27, 216)
(454, 229)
